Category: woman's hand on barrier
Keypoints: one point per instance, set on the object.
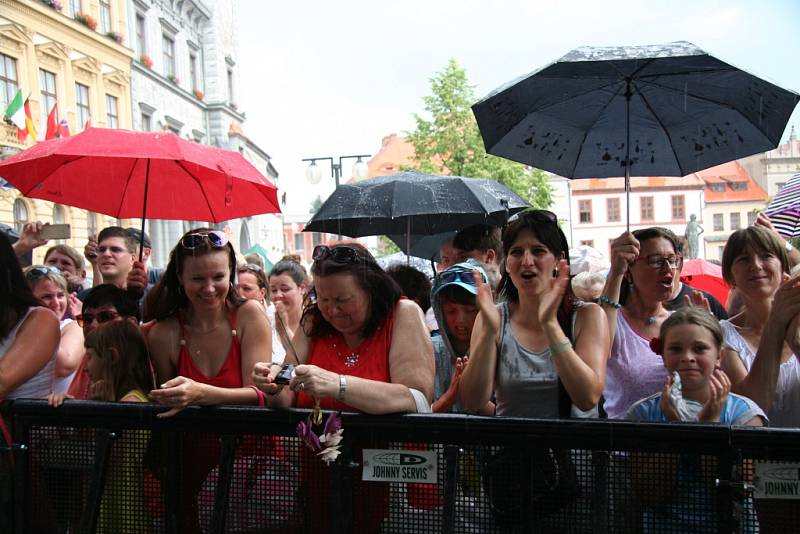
(485, 301)
(177, 393)
(264, 374)
(315, 381)
(57, 399)
(719, 385)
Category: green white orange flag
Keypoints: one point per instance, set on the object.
(15, 111)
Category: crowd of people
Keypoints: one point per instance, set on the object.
(502, 329)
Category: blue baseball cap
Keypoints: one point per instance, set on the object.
(460, 274)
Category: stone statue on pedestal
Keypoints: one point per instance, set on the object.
(692, 234)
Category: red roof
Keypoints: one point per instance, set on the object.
(729, 174)
(637, 182)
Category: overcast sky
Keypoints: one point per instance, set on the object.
(322, 78)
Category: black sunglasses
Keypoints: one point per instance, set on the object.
(215, 238)
(339, 253)
(535, 215)
(102, 317)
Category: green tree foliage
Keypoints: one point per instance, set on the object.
(449, 142)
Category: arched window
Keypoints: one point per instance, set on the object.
(20, 215)
(244, 238)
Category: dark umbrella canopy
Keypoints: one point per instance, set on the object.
(422, 246)
(687, 111)
(784, 210)
(412, 203)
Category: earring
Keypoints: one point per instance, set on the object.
(555, 272)
(181, 291)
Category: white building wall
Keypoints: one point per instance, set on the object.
(602, 232)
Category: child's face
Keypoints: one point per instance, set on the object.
(459, 318)
(94, 366)
(692, 351)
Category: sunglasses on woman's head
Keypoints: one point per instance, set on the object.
(195, 240)
(252, 267)
(339, 253)
(42, 270)
(536, 215)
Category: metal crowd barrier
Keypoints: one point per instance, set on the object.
(116, 468)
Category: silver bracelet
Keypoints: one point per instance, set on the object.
(342, 387)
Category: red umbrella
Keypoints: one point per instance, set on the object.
(707, 276)
(142, 174)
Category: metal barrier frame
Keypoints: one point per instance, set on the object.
(728, 444)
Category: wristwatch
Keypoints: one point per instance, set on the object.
(788, 247)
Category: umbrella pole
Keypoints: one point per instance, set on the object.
(144, 209)
(628, 153)
(408, 242)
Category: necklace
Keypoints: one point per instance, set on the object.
(651, 320)
(350, 360)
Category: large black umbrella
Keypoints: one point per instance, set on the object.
(668, 109)
(411, 203)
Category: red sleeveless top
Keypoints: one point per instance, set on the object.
(229, 375)
(331, 353)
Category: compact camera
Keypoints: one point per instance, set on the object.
(285, 375)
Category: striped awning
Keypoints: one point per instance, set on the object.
(784, 210)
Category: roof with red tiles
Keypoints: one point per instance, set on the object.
(644, 183)
(739, 186)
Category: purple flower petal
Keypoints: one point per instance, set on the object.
(333, 424)
(306, 433)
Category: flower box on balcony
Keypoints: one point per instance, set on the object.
(55, 4)
(86, 20)
(198, 94)
(115, 36)
(146, 61)
(174, 79)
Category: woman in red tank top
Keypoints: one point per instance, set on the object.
(204, 344)
(206, 339)
(360, 348)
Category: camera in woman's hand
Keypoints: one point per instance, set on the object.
(285, 375)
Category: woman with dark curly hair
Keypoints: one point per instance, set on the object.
(360, 347)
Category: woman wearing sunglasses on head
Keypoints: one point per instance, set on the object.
(644, 265)
(204, 344)
(29, 334)
(525, 349)
(50, 286)
(206, 339)
(360, 347)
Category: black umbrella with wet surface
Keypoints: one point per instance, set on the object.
(669, 110)
(411, 203)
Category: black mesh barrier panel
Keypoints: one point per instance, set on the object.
(107, 468)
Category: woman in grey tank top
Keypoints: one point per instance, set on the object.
(522, 347)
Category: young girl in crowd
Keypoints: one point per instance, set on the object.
(682, 500)
(118, 365)
(690, 344)
(49, 285)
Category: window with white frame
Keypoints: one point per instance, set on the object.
(736, 221)
(82, 105)
(168, 51)
(141, 35)
(8, 80)
(112, 111)
(20, 215)
(74, 7)
(47, 88)
(105, 16)
(719, 222)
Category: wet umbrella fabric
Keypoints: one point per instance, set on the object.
(784, 210)
(422, 246)
(668, 109)
(113, 171)
(414, 204)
